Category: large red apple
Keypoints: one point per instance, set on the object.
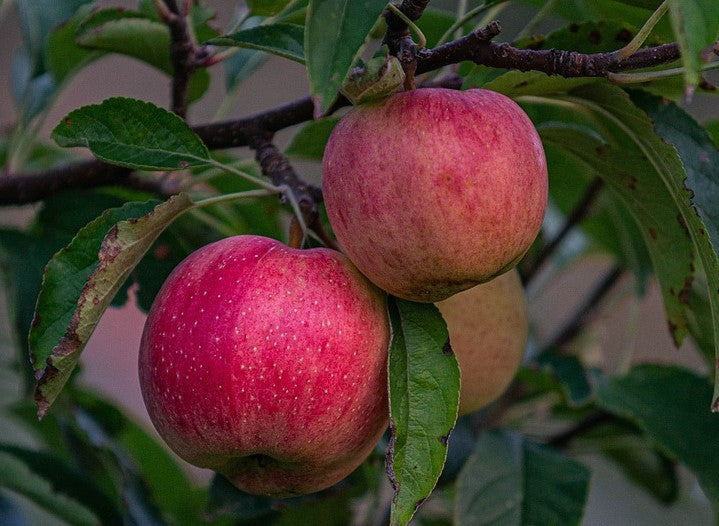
(488, 328)
(433, 191)
(268, 364)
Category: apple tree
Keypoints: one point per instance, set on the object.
(461, 432)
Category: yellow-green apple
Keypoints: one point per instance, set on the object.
(433, 191)
(488, 332)
(267, 364)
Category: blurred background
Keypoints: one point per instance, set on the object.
(624, 326)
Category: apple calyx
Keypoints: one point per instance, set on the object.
(379, 78)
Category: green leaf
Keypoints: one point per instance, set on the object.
(698, 153)
(24, 254)
(700, 158)
(569, 372)
(63, 56)
(433, 23)
(509, 481)
(712, 128)
(669, 404)
(696, 26)
(226, 499)
(424, 396)
(130, 33)
(81, 280)
(38, 18)
(284, 40)
(597, 36)
(23, 257)
(154, 464)
(665, 212)
(334, 35)
(67, 480)
(631, 12)
(310, 141)
(266, 7)
(239, 66)
(608, 224)
(517, 83)
(133, 133)
(18, 475)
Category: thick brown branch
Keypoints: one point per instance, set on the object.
(27, 188)
(476, 48)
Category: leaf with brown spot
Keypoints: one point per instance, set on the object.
(424, 396)
(674, 195)
(81, 280)
(133, 133)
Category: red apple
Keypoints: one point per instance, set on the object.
(268, 364)
(433, 191)
(488, 328)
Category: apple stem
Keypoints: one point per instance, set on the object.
(634, 45)
(287, 191)
(297, 235)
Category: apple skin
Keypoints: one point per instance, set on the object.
(433, 191)
(268, 364)
(488, 328)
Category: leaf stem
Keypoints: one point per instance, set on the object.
(232, 197)
(422, 40)
(634, 45)
(646, 76)
(231, 169)
(214, 223)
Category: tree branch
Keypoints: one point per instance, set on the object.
(476, 47)
(277, 168)
(182, 56)
(29, 187)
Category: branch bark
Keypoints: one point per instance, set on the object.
(182, 56)
(29, 187)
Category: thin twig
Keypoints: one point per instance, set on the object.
(573, 326)
(576, 216)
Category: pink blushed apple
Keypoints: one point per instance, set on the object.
(433, 191)
(268, 364)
